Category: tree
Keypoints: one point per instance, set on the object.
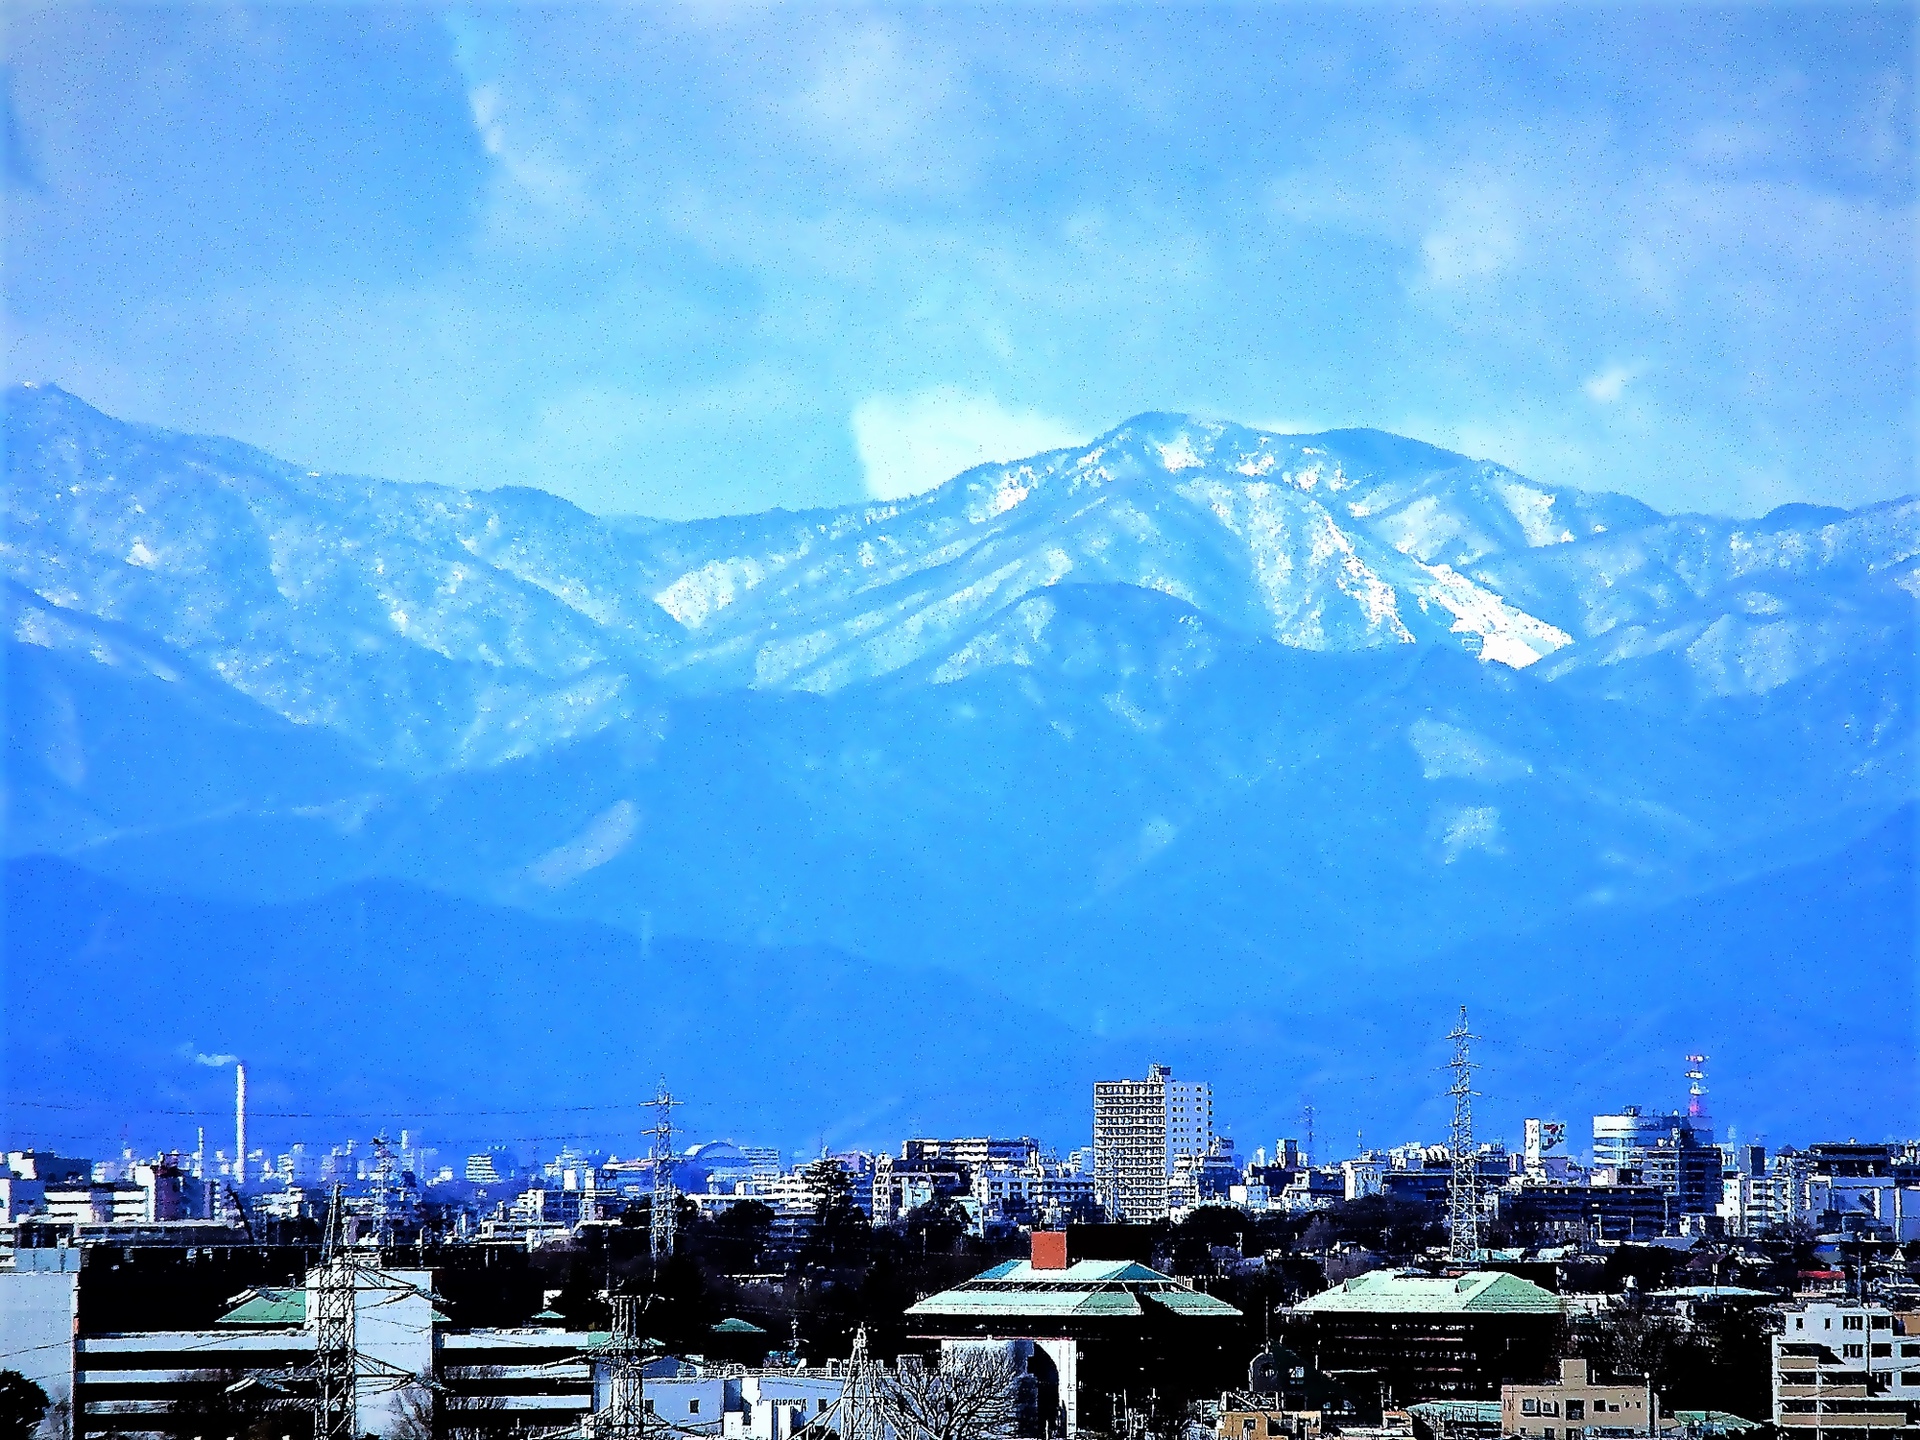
(740, 1234)
(841, 1234)
(936, 1227)
(972, 1395)
(22, 1404)
(413, 1418)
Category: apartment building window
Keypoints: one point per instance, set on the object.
(1576, 1410)
(1883, 1322)
(1880, 1350)
(1854, 1352)
(1529, 1407)
(693, 1407)
(1910, 1351)
(1910, 1377)
(1799, 1322)
(1853, 1322)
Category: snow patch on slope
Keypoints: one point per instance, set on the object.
(1508, 636)
(700, 594)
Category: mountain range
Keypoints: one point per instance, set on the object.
(1114, 753)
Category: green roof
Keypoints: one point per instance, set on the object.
(1477, 1292)
(281, 1307)
(1089, 1289)
(268, 1307)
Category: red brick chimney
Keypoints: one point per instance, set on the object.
(1049, 1249)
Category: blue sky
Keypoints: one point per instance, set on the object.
(717, 258)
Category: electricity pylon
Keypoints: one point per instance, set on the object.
(661, 1232)
(1463, 1194)
(337, 1369)
(625, 1355)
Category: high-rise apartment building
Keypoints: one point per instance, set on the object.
(1139, 1128)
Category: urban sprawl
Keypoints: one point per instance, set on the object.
(1156, 1282)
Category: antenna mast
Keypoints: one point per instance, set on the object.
(664, 1196)
(1463, 1194)
(861, 1409)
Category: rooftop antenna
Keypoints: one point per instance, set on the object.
(1306, 1156)
(664, 1197)
(1463, 1199)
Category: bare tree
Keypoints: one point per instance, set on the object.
(971, 1395)
(413, 1417)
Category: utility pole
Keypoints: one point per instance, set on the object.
(1463, 1194)
(664, 1196)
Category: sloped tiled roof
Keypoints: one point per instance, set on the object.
(1089, 1289)
(269, 1307)
(1477, 1292)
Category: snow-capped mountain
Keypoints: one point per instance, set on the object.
(1287, 710)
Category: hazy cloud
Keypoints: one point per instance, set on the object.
(911, 444)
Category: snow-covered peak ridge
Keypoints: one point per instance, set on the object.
(508, 618)
(1433, 505)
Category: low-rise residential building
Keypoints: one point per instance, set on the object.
(1577, 1404)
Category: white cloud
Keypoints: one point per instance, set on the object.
(1610, 384)
(1477, 237)
(911, 444)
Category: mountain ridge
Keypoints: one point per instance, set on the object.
(1129, 718)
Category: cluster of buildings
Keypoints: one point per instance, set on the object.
(1461, 1340)
(1156, 1155)
(1157, 1152)
(1095, 1345)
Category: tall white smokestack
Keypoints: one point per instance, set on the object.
(239, 1124)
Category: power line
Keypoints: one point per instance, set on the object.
(388, 1113)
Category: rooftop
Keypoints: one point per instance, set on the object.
(1091, 1289)
(268, 1307)
(1477, 1292)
